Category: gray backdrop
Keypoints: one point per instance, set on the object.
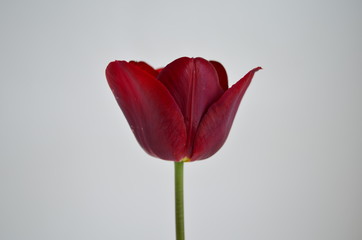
(291, 168)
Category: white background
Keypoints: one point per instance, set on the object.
(70, 168)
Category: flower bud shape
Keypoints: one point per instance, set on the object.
(182, 112)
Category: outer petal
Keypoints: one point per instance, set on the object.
(215, 126)
(221, 72)
(194, 84)
(150, 110)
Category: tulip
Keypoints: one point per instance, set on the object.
(182, 112)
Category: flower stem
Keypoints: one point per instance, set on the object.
(179, 200)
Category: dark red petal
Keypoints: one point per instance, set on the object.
(215, 126)
(150, 110)
(221, 72)
(144, 66)
(194, 84)
(159, 70)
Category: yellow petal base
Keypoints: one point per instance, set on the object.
(185, 159)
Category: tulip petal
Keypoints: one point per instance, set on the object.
(194, 84)
(221, 72)
(150, 110)
(144, 66)
(215, 125)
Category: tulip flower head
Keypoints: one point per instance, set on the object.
(182, 112)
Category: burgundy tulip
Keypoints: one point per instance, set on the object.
(182, 112)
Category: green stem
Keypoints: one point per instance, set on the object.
(179, 200)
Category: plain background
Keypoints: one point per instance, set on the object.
(291, 168)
